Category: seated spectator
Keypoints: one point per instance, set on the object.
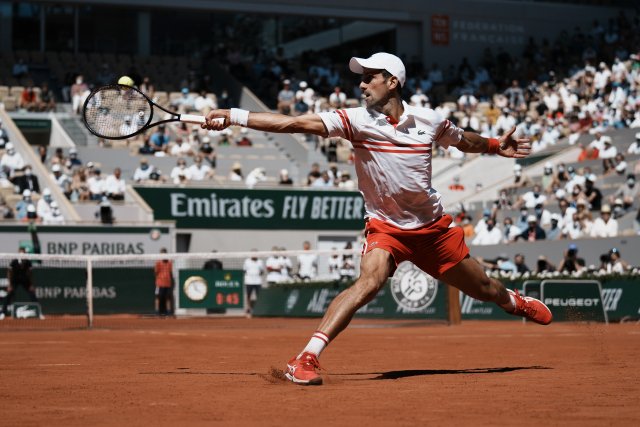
(254, 177)
(244, 140)
(324, 181)
(616, 263)
(467, 102)
(43, 207)
(79, 186)
(300, 107)
(46, 101)
(208, 152)
(571, 263)
(199, 170)
(607, 155)
(26, 181)
(160, 139)
(204, 104)
(555, 231)
(23, 204)
(180, 174)
(62, 179)
(543, 215)
(55, 217)
(5, 210)
(605, 226)
(338, 98)
(97, 185)
(115, 185)
(11, 160)
(521, 266)
(225, 138)
(592, 193)
(185, 103)
(509, 231)
(181, 148)
(79, 92)
(419, 99)
(346, 182)
(73, 158)
(534, 231)
(489, 235)
(618, 210)
(620, 164)
(314, 173)
(236, 172)
(544, 266)
(143, 171)
(286, 98)
(28, 99)
(128, 127)
(532, 198)
(633, 149)
(284, 178)
(20, 69)
(32, 215)
(4, 136)
(628, 193)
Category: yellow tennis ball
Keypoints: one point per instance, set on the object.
(126, 81)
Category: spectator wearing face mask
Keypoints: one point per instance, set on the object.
(593, 194)
(532, 198)
(143, 172)
(26, 181)
(23, 205)
(11, 160)
(533, 231)
(489, 235)
(43, 207)
(628, 193)
(180, 173)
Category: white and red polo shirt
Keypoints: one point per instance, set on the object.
(393, 160)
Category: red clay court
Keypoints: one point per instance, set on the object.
(226, 371)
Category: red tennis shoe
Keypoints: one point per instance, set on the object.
(531, 308)
(302, 370)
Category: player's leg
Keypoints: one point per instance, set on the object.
(374, 272)
(470, 278)
(156, 301)
(375, 269)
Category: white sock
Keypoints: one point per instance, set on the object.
(511, 305)
(317, 343)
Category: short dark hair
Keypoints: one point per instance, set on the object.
(387, 75)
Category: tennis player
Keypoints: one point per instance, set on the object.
(405, 220)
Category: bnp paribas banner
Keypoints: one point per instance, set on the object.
(256, 209)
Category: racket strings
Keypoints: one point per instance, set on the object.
(116, 112)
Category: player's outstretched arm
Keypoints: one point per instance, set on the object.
(267, 122)
(506, 146)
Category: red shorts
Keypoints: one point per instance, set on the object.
(434, 248)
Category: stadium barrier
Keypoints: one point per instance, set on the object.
(84, 291)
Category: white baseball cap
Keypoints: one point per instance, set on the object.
(380, 61)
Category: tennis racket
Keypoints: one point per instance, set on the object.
(120, 112)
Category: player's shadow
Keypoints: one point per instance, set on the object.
(394, 375)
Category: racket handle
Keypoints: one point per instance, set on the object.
(195, 119)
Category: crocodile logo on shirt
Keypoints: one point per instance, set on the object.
(421, 132)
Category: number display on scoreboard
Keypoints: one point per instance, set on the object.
(211, 289)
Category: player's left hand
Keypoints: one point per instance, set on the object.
(514, 147)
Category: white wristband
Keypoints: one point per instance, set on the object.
(238, 117)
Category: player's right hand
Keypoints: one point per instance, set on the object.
(212, 124)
